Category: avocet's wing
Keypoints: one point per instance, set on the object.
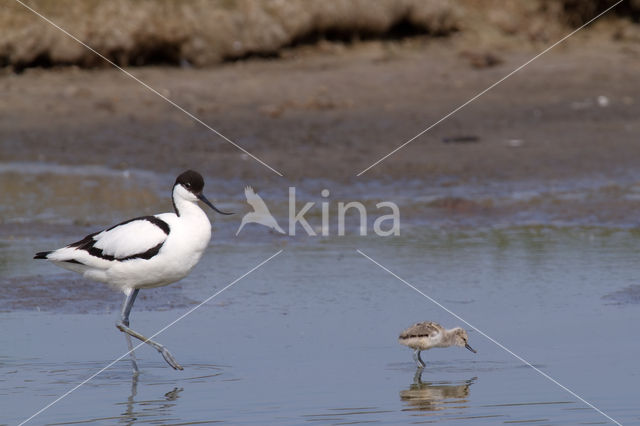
(422, 329)
(255, 201)
(139, 238)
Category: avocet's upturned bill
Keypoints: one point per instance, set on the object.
(427, 335)
(145, 252)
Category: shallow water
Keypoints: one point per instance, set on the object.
(310, 337)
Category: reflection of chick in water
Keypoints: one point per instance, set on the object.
(135, 409)
(433, 396)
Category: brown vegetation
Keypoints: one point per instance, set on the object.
(201, 32)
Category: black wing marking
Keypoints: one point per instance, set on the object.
(88, 243)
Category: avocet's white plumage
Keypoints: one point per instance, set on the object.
(148, 251)
(110, 256)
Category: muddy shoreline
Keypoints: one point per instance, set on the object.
(332, 112)
(555, 144)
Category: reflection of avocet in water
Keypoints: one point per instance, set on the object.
(435, 396)
(427, 335)
(260, 214)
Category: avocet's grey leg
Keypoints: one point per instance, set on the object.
(132, 354)
(418, 359)
(123, 325)
(124, 317)
(417, 377)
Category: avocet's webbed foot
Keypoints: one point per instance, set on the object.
(170, 359)
(160, 348)
(418, 359)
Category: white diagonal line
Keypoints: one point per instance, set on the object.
(488, 88)
(60, 398)
(128, 74)
(493, 340)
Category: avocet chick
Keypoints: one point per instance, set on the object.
(427, 335)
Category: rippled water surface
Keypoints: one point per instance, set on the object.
(310, 337)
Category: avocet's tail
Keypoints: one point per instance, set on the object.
(42, 255)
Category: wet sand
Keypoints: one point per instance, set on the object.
(332, 111)
(555, 142)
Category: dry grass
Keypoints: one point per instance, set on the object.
(198, 31)
(205, 32)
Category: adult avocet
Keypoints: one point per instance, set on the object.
(145, 252)
(427, 335)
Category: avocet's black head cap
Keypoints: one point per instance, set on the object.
(193, 182)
